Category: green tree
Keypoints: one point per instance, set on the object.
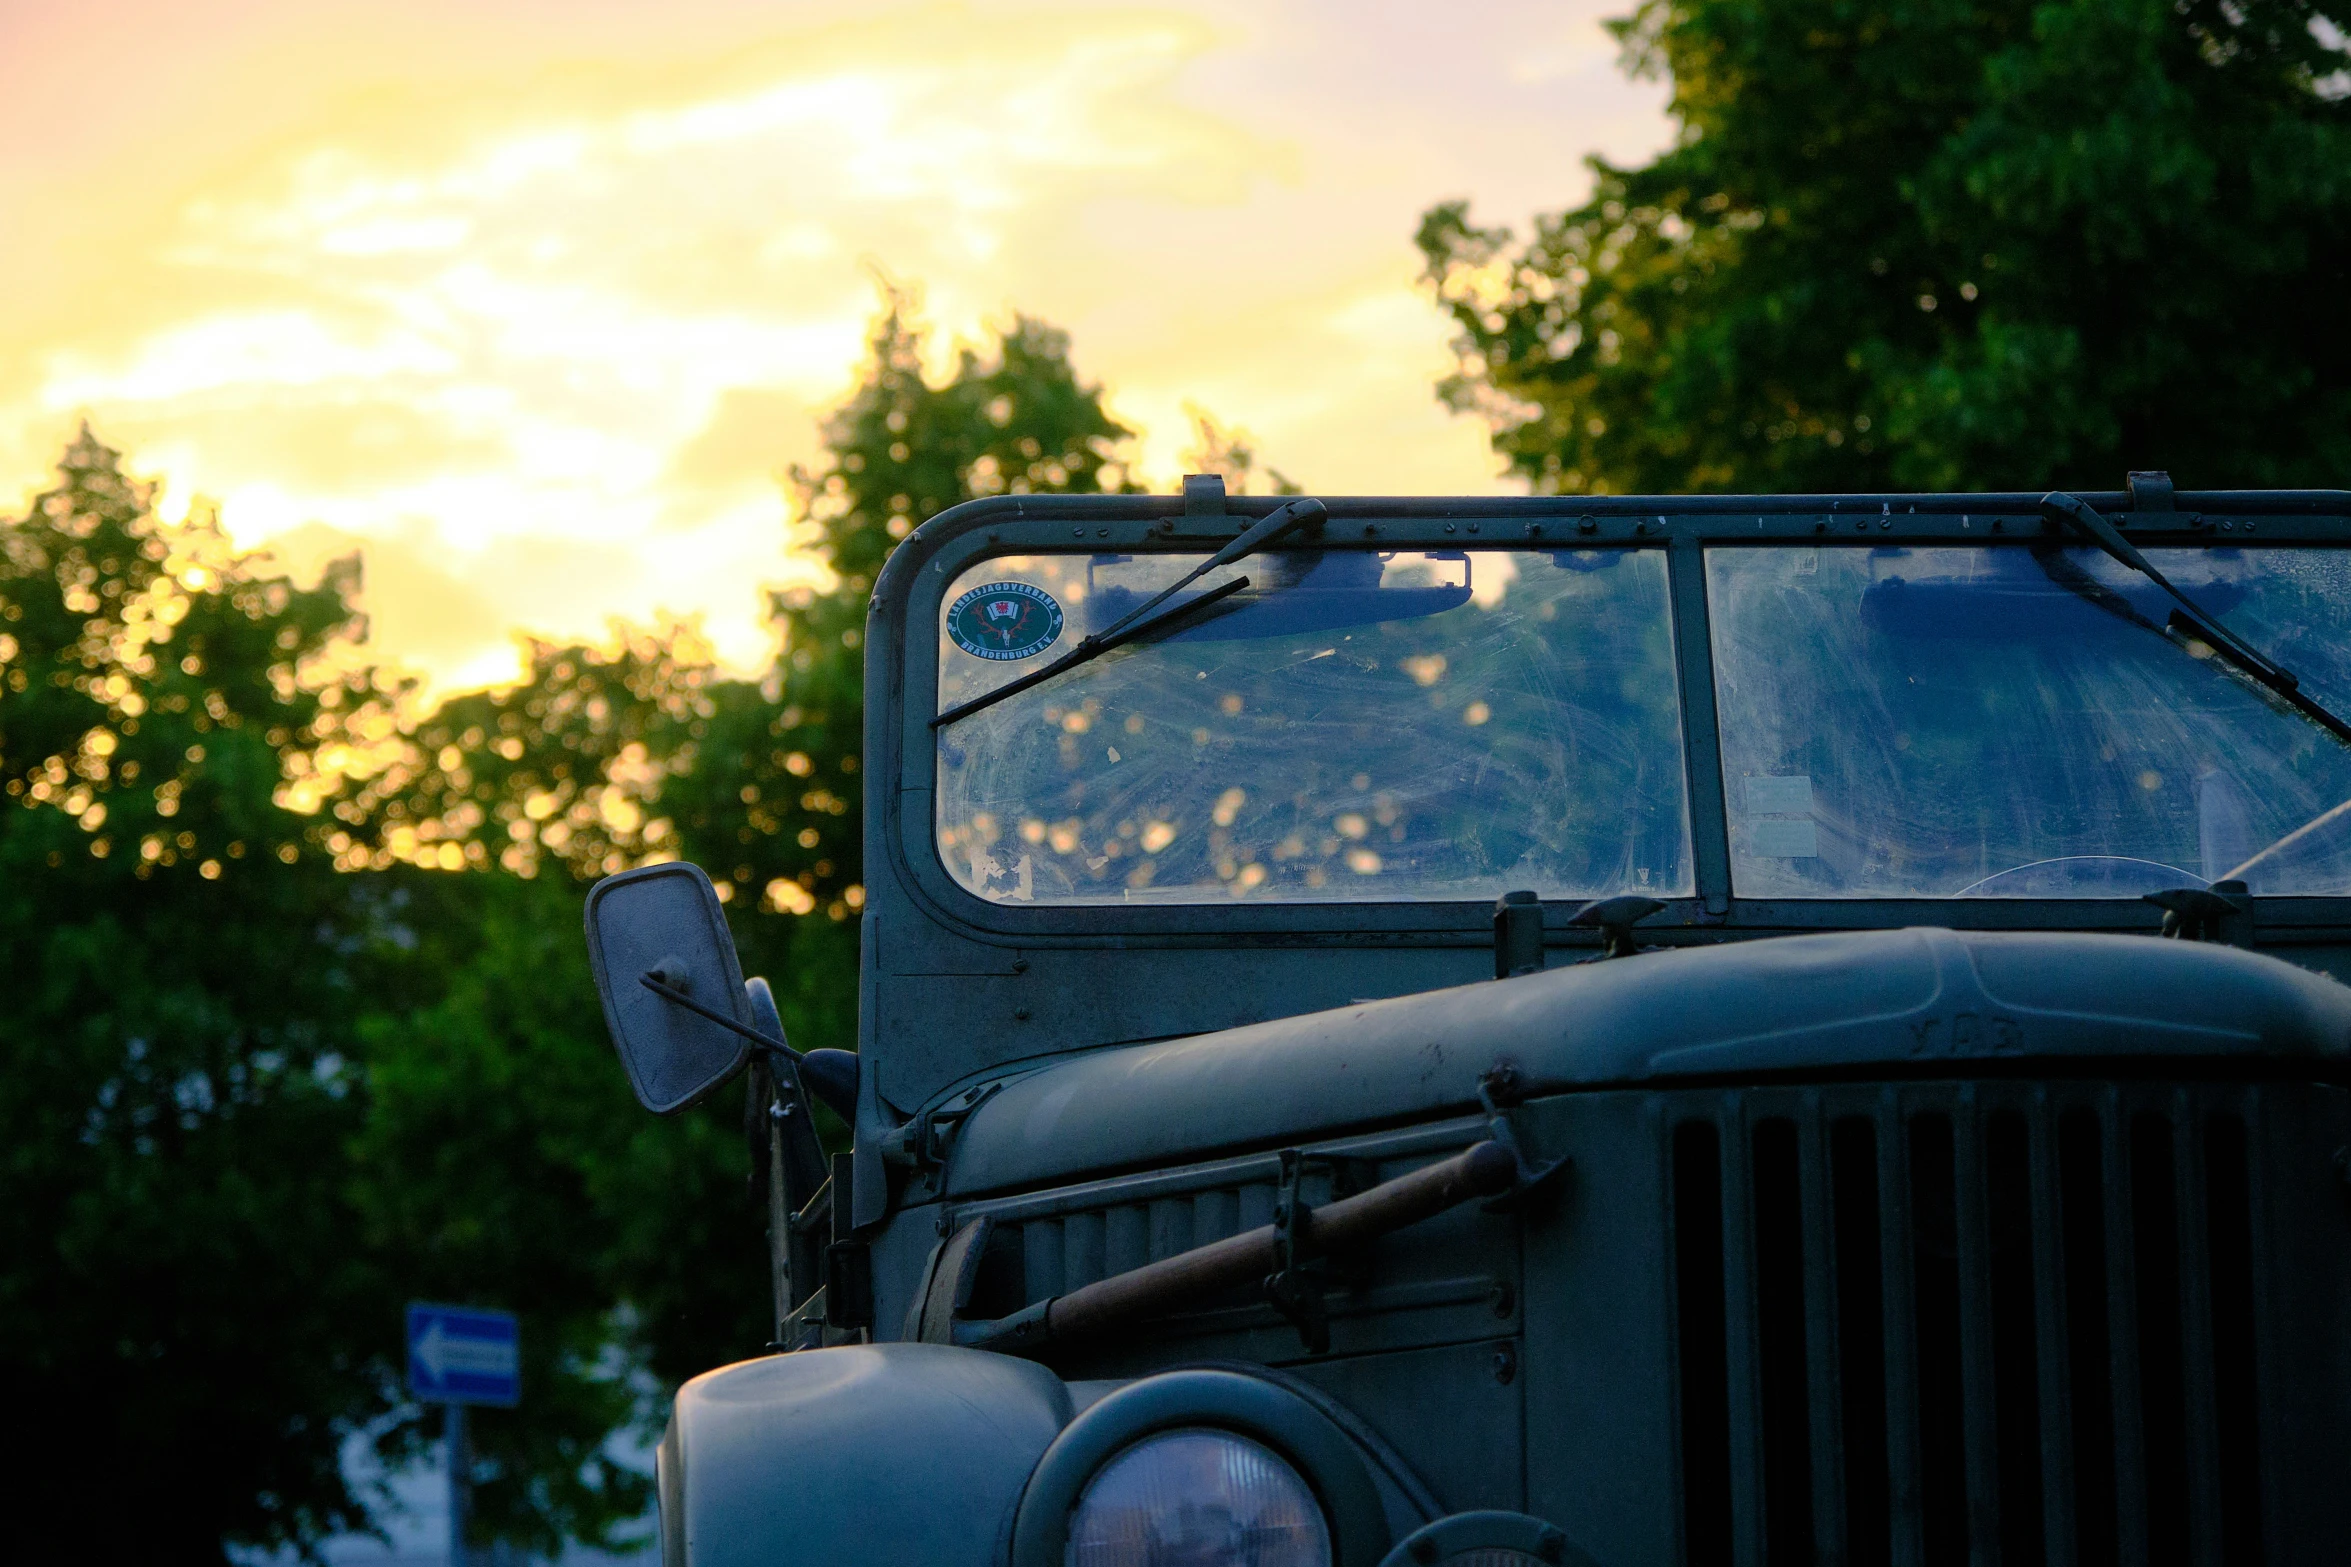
(277, 1063)
(180, 1309)
(1941, 244)
(502, 1153)
(604, 757)
(251, 1104)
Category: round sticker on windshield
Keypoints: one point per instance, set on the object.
(1003, 620)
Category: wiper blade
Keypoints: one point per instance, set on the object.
(2190, 616)
(1101, 642)
(1142, 620)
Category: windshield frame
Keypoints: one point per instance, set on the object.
(902, 684)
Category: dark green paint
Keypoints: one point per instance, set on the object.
(1134, 1070)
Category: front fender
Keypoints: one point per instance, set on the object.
(853, 1455)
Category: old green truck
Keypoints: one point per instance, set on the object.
(1599, 1030)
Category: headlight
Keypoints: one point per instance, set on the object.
(1197, 1498)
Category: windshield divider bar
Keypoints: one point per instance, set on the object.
(1709, 806)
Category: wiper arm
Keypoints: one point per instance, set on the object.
(1141, 621)
(2064, 510)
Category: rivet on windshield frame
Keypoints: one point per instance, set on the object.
(1885, 522)
(1020, 1014)
(1102, 533)
(1077, 533)
(1448, 527)
(2246, 526)
(1587, 524)
(1369, 529)
(2227, 526)
(1534, 530)
(1998, 526)
(1473, 527)
(1821, 526)
(1861, 525)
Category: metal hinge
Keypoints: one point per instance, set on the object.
(923, 1142)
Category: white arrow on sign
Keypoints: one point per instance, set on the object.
(440, 1355)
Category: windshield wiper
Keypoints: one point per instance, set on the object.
(2190, 617)
(1141, 621)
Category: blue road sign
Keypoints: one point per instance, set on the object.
(457, 1355)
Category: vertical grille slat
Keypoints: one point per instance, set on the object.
(1990, 1323)
(2049, 1337)
(1979, 1406)
(2237, 1406)
(1170, 1222)
(1901, 1335)
(1824, 1374)
(1703, 1333)
(1942, 1428)
(2199, 1407)
(1861, 1338)
(1126, 1238)
(1744, 1381)
(2122, 1299)
(2008, 1387)
(2011, 1385)
(2163, 1409)
(1040, 1260)
(1783, 1374)
(2081, 1169)
(1081, 1250)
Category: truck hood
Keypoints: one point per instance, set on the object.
(1938, 1002)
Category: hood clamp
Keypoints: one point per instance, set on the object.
(2222, 913)
(1616, 918)
(922, 1143)
(1500, 1091)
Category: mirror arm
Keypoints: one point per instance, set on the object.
(671, 993)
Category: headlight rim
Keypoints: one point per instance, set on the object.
(1458, 1534)
(1298, 1433)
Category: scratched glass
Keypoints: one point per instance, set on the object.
(1355, 726)
(2020, 721)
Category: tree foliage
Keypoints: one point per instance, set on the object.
(1939, 244)
(640, 750)
(181, 1309)
(303, 1027)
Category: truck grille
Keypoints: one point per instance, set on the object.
(1994, 1322)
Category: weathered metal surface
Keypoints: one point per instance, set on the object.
(1888, 1000)
(2021, 1238)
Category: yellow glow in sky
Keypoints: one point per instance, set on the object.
(534, 302)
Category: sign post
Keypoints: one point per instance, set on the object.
(459, 1356)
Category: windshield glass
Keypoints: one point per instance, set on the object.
(2016, 721)
(1353, 725)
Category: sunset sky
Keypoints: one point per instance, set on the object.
(533, 301)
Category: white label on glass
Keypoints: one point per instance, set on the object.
(1789, 796)
(1784, 840)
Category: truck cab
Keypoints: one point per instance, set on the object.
(1611, 1030)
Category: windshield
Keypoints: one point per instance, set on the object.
(2015, 721)
(1353, 725)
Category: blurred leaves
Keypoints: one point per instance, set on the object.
(1937, 245)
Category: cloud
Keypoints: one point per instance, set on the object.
(536, 301)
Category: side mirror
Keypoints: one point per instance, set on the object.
(665, 921)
